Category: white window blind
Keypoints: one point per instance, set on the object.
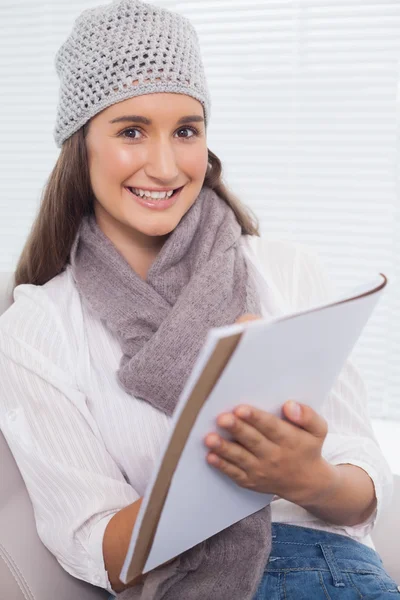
(305, 110)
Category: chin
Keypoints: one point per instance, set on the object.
(157, 224)
(157, 231)
(157, 228)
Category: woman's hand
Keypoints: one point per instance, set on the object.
(283, 457)
(271, 455)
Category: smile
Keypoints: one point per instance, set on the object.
(155, 200)
(153, 194)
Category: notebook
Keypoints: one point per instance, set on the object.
(263, 363)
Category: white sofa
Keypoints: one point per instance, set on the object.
(29, 572)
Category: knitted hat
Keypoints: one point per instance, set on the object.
(113, 45)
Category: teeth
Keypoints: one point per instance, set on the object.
(154, 195)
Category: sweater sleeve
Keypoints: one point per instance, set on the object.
(350, 438)
(74, 484)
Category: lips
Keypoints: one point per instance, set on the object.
(157, 204)
(131, 189)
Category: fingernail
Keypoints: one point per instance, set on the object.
(213, 442)
(227, 421)
(294, 410)
(213, 459)
(243, 411)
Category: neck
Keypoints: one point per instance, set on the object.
(137, 248)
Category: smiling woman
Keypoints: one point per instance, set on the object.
(157, 156)
(104, 151)
(137, 251)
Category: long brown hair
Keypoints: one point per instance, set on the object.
(68, 197)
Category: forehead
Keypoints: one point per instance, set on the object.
(157, 107)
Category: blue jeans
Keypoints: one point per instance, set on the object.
(307, 564)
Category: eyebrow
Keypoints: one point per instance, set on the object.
(146, 121)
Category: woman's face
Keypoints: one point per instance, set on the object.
(151, 142)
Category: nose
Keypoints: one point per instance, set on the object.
(161, 162)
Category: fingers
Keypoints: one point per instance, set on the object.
(230, 451)
(304, 416)
(244, 433)
(276, 429)
(269, 426)
(257, 435)
(233, 471)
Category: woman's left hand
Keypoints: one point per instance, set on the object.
(271, 455)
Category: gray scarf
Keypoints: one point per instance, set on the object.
(199, 280)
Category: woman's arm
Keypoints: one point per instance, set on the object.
(74, 484)
(346, 496)
(116, 540)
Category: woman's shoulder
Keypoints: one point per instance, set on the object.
(278, 251)
(296, 268)
(51, 301)
(44, 318)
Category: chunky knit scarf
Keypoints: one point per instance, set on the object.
(199, 280)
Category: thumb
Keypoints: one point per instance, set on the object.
(247, 317)
(304, 416)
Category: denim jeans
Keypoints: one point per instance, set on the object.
(307, 564)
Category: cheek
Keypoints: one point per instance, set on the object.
(112, 165)
(194, 162)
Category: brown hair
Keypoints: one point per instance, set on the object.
(68, 197)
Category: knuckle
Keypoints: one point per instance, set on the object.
(308, 414)
(322, 428)
(259, 475)
(257, 443)
(281, 438)
(237, 426)
(222, 446)
(244, 481)
(259, 421)
(219, 451)
(292, 442)
(275, 460)
(224, 466)
(250, 484)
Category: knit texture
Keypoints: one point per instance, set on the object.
(199, 280)
(124, 49)
(227, 566)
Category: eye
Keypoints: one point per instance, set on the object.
(123, 133)
(193, 130)
(127, 133)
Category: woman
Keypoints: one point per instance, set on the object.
(139, 249)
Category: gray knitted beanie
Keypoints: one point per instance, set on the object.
(115, 45)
